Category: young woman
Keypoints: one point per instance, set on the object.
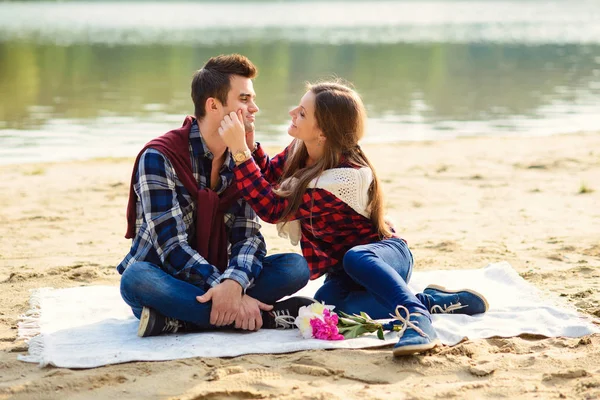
(323, 190)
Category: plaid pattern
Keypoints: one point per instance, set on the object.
(329, 226)
(166, 221)
(270, 169)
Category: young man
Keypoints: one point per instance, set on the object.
(197, 260)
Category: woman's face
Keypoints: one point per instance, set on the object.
(304, 123)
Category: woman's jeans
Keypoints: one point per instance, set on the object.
(146, 285)
(374, 280)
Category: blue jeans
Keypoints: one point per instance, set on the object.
(146, 285)
(373, 279)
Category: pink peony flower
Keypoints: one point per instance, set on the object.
(330, 318)
(326, 329)
(318, 321)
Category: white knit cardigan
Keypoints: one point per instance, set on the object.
(350, 185)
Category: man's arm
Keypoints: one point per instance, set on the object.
(155, 187)
(248, 248)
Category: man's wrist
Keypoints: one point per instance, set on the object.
(233, 283)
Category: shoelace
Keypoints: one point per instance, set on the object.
(171, 325)
(436, 309)
(406, 323)
(283, 320)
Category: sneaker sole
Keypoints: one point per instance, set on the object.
(449, 291)
(144, 318)
(417, 348)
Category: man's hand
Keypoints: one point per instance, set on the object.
(249, 317)
(226, 302)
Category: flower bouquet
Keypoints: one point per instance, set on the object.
(320, 322)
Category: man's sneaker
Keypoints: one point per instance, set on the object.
(416, 335)
(445, 301)
(153, 323)
(284, 313)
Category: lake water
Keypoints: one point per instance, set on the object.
(97, 79)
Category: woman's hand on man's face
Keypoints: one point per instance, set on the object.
(233, 132)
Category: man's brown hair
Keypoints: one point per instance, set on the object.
(213, 80)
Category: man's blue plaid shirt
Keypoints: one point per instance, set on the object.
(166, 220)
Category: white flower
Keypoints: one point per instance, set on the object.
(306, 314)
(317, 308)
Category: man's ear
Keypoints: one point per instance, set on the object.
(212, 105)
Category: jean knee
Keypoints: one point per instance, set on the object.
(134, 280)
(128, 285)
(353, 259)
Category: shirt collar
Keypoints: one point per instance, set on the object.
(200, 149)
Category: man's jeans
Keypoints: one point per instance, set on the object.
(373, 280)
(145, 284)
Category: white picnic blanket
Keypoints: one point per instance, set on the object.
(91, 326)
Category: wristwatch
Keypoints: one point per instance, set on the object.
(241, 156)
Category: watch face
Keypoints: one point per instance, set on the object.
(241, 156)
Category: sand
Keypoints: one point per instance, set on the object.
(463, 203)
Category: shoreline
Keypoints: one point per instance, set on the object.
(272, 145)
(460, 203)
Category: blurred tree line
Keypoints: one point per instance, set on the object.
(454, 81)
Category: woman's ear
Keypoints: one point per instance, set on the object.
(322, 138)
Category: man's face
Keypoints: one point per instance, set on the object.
(241, 96)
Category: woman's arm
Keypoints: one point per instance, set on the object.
(272, 169)
(258, 192)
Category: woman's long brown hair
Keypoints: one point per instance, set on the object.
(341, 116)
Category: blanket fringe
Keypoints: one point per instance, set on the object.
(36, 352)
(29, 328)
(29, 323)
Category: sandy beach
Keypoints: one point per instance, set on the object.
(460, 204)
